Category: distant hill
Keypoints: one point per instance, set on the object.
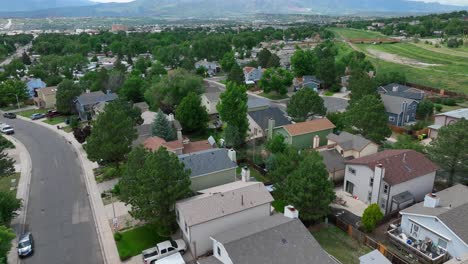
(32, 5)
(223, 8)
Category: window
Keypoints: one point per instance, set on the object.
(383, 203)
(177, 215)
(371, 182)
(351, 170)
(442, 243)
(415, 230)
(163, 251)
(219, 251)
(385, 188)
(186, 227)
(369, 197)
(391, 118)
(170, 249)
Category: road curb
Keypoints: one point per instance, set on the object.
(104, 231)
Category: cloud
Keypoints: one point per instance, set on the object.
(115, 1)
(447, 2)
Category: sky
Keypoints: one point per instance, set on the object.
(449, 2)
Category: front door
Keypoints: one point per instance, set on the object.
(349, 187)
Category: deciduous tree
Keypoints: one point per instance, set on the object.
(304, 62)
(425, 109)
(8, 206)
(371, 217)
(236, 74)
(233, 108)
(276, 80)
(304, 103)
(6, 163)
(9, 89)
(133, 89)
(6, 236)
(361, 85)
(67, 91)
(191, 114)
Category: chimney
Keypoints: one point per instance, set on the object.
(431, 200)
(88, 91)
(316, 142)
(179, 135)
(395, 88)
(232, 155)
(291, 212)
(245, 174)
(271, 125)
(109, 91)
(170, 117)
(404, 157)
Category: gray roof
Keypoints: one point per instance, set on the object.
(393, 103)
(374, 257)
(223, 200)
(402, 91)
(459, 113)
(207, 161)
(273, 239)
(333, 160)
(261, 117)
(452, 209)
(95, 97)
(348, 141)
(254, 103)
(209, 260)
(311, 79)
(213, 96)
(143, 132)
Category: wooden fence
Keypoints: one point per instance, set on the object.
(438, 91)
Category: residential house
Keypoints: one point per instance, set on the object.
(400, 111)
(46, 97)
(33, 85)
(255, 104)
(86, 102)
(341, 148)
(210, 101)
(307, 81)
(144, 130)
(307, 134)
(393, 179)
(275, 239)
(253, 75)
(436, 228)
(178, 147)
(263, 121)
(445, 119)
(403, 91)
(374, 257)
(212, 67)
(209, 168)
(219, 209)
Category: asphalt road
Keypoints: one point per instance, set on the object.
(59, 213)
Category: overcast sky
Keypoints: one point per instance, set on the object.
(450, 2)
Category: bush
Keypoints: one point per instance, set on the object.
(117, 236)
(438, 107)
(328, 93)
(371, 217)
(74, 122)
(449, 102)
(116, 190)
(5, 143)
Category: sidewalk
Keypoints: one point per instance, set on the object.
(104, 231)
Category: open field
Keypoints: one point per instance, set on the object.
(356, 33)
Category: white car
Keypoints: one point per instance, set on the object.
(171, 259)
(163, 249)
(6, 129)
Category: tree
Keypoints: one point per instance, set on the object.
(157, 70)
(406, 142)
(304, 103)
(232, 136)
(326, 71)
(236, 74)
(276, 144)
(67, 91)
(338, 119)
(10, 89)
(6, 163)
(191, 114)
(361, 85)
(281, 164)
(233, 108)
(6, 236)
(277, 80)
(309, 189)
(162, 128)
(390, 77)
(228, 61)
(273, 61)
(152, 182)
(133, 89)
(304, 62)
(264, 58)
(371, 217)
(8, 207)
(26, 59)
(450, 150)
(425, 109)
(142, 64)
(112, 134)
(368, 117)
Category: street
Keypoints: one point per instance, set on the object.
(18, 53)
(59, 213)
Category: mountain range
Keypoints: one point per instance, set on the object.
(214, 8)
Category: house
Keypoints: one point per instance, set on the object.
(341, 148)
(400, 111)
(255, 104)
(85, 103)
(144, 130)
(374, 257)
(307, 134)
(445, 119)
(212, 67)
(436, 228)
(219, 209)
(253, 75)
(33, 85)
(209, 168)
(262, 121)
(178, 147)
(275, 239)
(46, 97)
(210, 101)
(393, 179)
(403, 91)
(307, 81)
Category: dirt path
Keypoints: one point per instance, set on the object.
(398, 59)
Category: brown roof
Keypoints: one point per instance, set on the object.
(153, 143)
(173, 145)
(309, 126)
(400, 165)
(248, 69)
(48, 90)
(196, 146)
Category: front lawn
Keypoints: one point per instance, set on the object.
(5, 182)
(135, 240)
(337, 243)
(55, 120)
(274, 95)
(28, 113)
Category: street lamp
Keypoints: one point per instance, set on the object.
(17, 100)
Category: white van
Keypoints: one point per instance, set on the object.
(172, 259)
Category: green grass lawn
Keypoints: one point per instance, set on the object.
(274, 95)
(67, 129)
(340, 245)
(55, 120)
(357, 33)
(135, 240)
(5, 182)
(28, 113)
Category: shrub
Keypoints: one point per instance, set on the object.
(371, 217)
(5, 143)
(449, 102)
(117, 236)
(438, 107)
(328, 93)
(116, 190)
(74, 122)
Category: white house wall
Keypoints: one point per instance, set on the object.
(210, 106)
(224, 256)
(419, 187)
(360, 180)
(253, 126)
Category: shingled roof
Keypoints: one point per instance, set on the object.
(400, 165)
(309, 126)
(261, 117)
(348, 141)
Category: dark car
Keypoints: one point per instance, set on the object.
(37, 116)
(9, 115)
(25, 245)
(52, 113)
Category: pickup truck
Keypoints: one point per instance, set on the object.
(6, 129)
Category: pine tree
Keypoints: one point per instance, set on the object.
(162, 128)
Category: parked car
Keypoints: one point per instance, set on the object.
(163, 249)
(9, 115)
(6, 129)
(37, 116)
(25, 245)
(52, 113)
(171, 259)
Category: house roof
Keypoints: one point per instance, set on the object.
(35, 83)
(374, 257)
(348, 141)
(95, 97)
(311, 79)
(248, 69)
(459, 113)
(48, 90)
(213, 97)
(309, 126)
(402, 91)
(452, 209)
(207, 161)
(253, 103)
(261, 117)
(223, 200)
(196, 146)
(400, 165)
(393, 103)
(333, 160)
(273, 239)
(154, 143)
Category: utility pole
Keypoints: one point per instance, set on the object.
(17, 100)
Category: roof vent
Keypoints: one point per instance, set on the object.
(291, 212)
(431, 200)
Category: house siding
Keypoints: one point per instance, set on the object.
(284, 133)
(306, 140)
(224, 256)
(255, 131)
(407, 115)
(210, 106)
(213, 179)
